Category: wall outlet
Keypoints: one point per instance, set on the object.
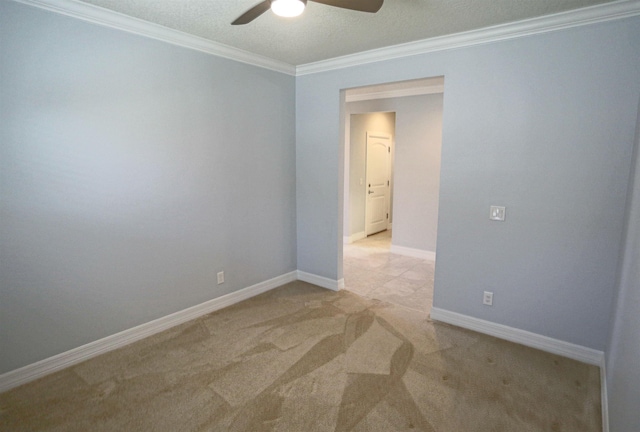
(220, 277)
(497, 213)
(487, 298)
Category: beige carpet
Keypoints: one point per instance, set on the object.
(301, 358)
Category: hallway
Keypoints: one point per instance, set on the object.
(372, 271)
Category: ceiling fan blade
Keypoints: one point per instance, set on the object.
(253, 13)
(356, 5)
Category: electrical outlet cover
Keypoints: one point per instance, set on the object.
(497, 213)
(487, 298)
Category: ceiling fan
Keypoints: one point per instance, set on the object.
(291, 8)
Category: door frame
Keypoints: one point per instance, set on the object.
(384, 90)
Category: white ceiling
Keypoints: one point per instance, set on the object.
(323, 32)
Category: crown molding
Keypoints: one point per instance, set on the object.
(559, 21)
(115, 20)
(107, 18)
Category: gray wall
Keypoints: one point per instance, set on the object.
(128, 174)
(543, 125)
(416, 180)
(360, 124)
(131, 172)
(417, 174)
(623, 358)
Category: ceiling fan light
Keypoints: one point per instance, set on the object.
(287, 8)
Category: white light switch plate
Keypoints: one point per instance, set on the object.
(497, 213)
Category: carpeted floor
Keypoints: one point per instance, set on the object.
(302, 358)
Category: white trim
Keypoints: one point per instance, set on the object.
(559, 21)
(116, 20)
(604, 399)
(415, 253)
(413, 91)
(563, 20)
(534, 340)
(321, 281)
(358, 236)
(354, 237)
(544, 343)
(69, 358)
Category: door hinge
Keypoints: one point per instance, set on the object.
(387, 215)
(389, 148)
(387, 182)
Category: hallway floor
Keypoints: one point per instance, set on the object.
(372, 271)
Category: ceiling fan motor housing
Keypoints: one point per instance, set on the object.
(371, 6)
(288, 8)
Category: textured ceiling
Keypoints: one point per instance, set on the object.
(324, 32)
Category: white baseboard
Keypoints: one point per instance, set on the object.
(354, 237)
(604, 399)
(334, 285)
(544, 343)
(534, 340)
(49, 365)
(415, 253)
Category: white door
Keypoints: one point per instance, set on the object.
(377, 190)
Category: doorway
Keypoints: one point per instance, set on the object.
(396, 265)
(378, 130)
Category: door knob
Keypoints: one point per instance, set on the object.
(370, 192)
